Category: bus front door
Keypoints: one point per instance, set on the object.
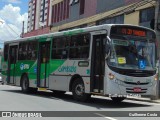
(43, 64)
(12, 59)
(98, 64)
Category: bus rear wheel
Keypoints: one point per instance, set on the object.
(78, 91)
(25, 84)
(117, 99)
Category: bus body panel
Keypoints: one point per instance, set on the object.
(64, 70)
(56, 74)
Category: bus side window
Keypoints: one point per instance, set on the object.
(60, 48)
(6, 52)
(79, 46)
(22, 52)
(32, 50)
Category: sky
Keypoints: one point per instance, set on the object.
(12, 13)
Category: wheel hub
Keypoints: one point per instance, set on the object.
(79, 89)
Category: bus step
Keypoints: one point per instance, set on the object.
(42, 89)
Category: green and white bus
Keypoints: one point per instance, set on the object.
(108, 60)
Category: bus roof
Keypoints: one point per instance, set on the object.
(73, 31)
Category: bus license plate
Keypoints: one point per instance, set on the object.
(137, 89)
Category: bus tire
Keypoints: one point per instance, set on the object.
(78, 91)
(118, 99)
(25, 84)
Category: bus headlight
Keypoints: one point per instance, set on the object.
(156, 77)
(111, 76)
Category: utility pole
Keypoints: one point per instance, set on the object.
(157, 30)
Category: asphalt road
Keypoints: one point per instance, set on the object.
(12, 99)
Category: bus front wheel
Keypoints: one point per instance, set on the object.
(117, 99)
(25, 84)
(78, 91)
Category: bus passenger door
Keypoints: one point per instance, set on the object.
(98, 64)
(43, 64)
(12, 59)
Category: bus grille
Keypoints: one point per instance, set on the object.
(134, 83)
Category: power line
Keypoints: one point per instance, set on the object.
(11, 28)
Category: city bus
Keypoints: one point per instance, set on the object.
(107, 60)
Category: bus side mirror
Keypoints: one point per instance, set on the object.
(107, 47)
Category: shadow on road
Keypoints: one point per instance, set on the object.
(98, 103)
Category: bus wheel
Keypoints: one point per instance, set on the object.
(25, 84)
(78, 91)
(117, 99)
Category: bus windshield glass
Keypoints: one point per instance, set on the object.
(132, 52)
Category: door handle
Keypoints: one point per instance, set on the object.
(97, 75)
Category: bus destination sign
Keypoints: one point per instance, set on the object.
(135, 32)
(131, 30)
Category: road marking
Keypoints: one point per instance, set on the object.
(110, 118)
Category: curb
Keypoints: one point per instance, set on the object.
(144, 100)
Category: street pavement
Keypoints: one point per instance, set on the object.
(12, 99)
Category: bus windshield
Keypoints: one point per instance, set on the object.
(132, 54)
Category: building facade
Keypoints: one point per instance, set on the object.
(68, 14)
(84, 13)
(38, 17)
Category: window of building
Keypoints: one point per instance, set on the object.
(60, 48)
(60, 11)
(114, 20)
(55, 13)
(82, 7)
(79, 46)
(53, 16)
(64, 10)
(146, 15)
(67, 9)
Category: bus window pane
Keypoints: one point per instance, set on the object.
(79, 46)
(5, 52)
(22, 52)
(59, 43)
(32, 50)
(60, 48)
(59, 54)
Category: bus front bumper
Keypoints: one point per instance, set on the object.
(120, 88)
